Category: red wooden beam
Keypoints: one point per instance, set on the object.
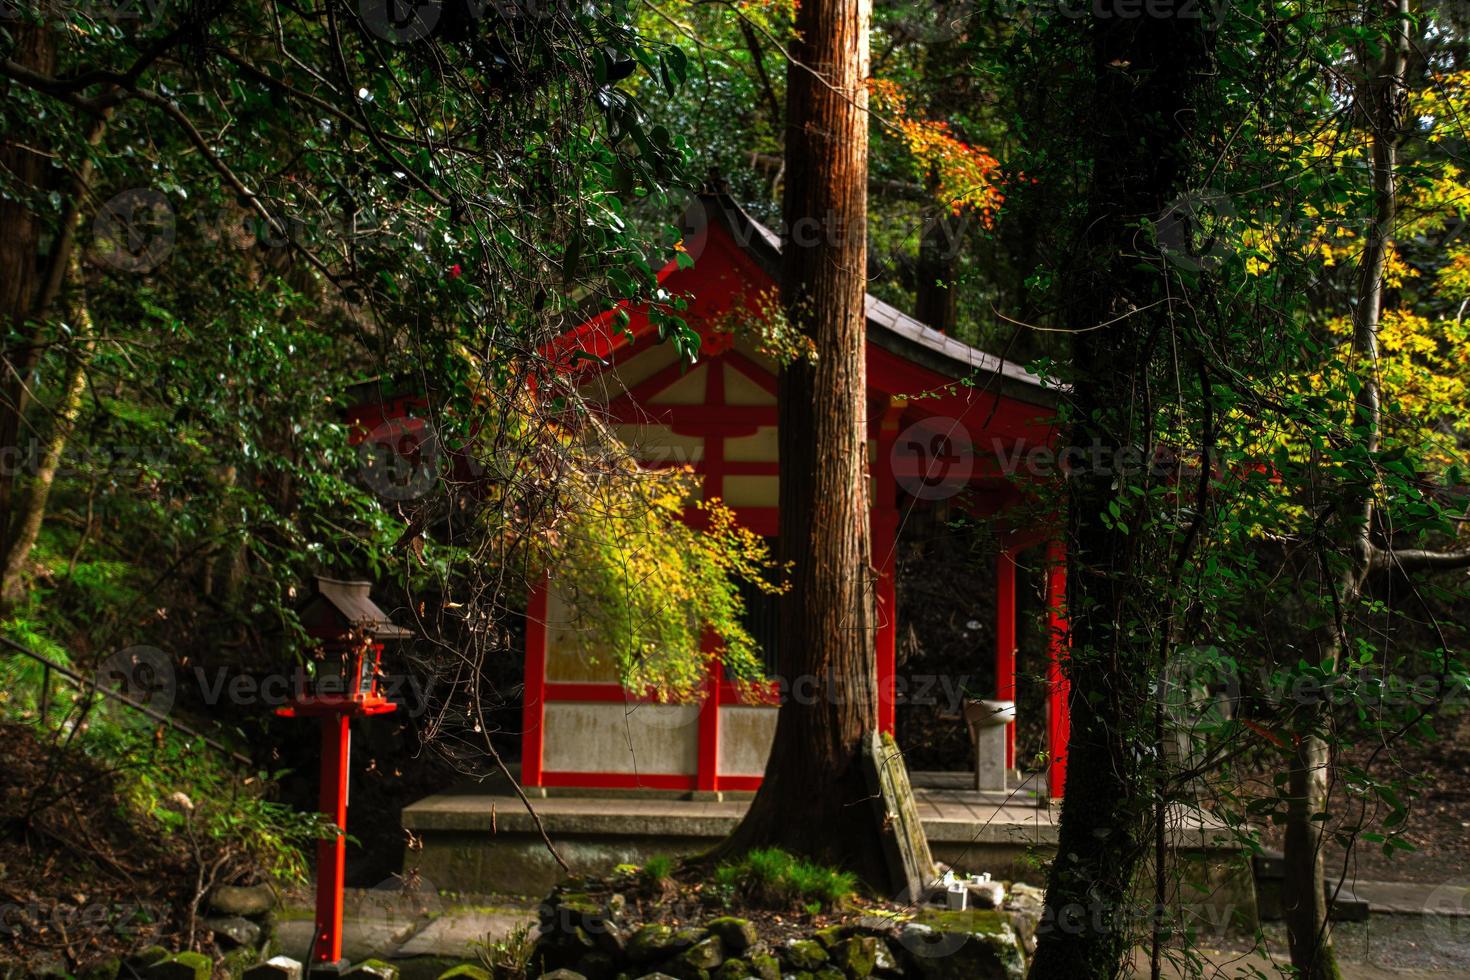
(617, 780)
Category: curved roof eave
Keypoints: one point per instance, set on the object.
(889, 327)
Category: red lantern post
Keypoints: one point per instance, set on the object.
(351, 630)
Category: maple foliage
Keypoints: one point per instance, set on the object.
(961, 175)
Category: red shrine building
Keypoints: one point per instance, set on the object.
(944, 418)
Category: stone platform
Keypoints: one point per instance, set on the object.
(478, 840)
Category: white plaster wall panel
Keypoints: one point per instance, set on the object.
(752, 491)
(630, 373)
(766, 364)
(763, 447)
(745, 739)
(660, 445)
(742, 389)
(586, 736)
(687, 390)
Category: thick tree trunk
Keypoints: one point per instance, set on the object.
(1149, 74)
(21, 270)
(1305, 906)
(813, 799)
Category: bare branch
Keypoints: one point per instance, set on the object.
(1419, 560)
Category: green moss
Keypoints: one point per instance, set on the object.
(857, 955)
(765, 966)
(181, 966)
(804, 954)
(989, 922)
(465, 971)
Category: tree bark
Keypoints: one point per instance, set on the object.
(1149, 79)
(35, 490)
(934, 293)
(21, 269)
(1304, 901)
(813, 799)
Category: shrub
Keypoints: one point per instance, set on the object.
(658, 868)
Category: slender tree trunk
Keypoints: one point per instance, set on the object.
(1304, 897)
(1149, 78)
(35, 489)
(29, 289)
(813, 799)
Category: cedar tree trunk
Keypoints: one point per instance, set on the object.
(813, 800)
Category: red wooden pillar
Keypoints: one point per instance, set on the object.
(886, 639)
(883, 528)
(707, 776)
(331, 854)
(1005, 639)
(533, 703)
(1058, 722)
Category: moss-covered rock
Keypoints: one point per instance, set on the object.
(275, 968)
(597, 966)
(974, 944)
(707, 954)
(738, 935)
(651, 942)
(180, 966)
(884, 961)
(146, 956)
(373, 970)
(857, 955)
(250, 900)
(735, 969)
(465, 971)
(106, 969)
(830, 936)
(764, 965)
(804, 955)
(688, 936)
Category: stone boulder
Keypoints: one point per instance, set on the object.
(251, 901)
(974, 944)
(275, 968)
(233, 930)
(738, 935)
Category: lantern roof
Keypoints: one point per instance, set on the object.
(349, 601)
